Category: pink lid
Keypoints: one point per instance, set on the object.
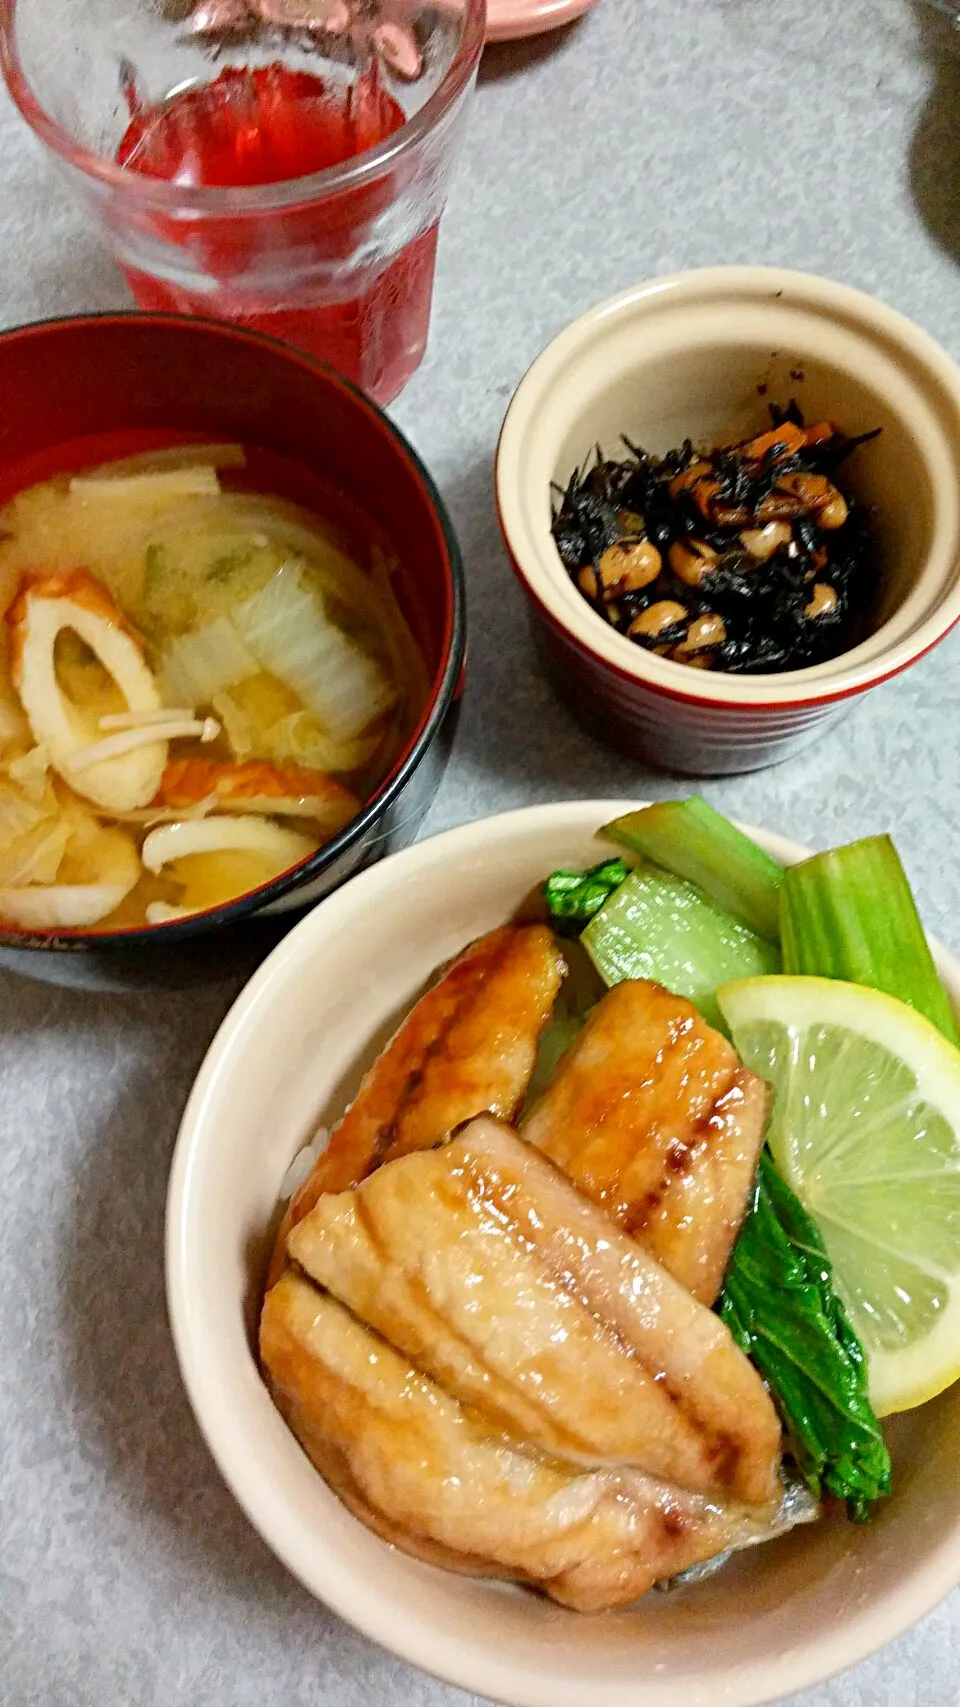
(508, 19)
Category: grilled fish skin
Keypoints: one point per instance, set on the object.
(468, 1046)
(652, 1115)
(418, 1468)
(486, 1267)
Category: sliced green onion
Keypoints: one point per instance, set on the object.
(691, 839)
(849, 914)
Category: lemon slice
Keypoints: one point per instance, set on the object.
(866, 1129)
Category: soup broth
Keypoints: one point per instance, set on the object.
(200, 684)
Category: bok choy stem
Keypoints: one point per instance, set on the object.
(849, 914)
(691, 839)
(657, 926)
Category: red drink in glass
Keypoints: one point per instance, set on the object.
(269, 125)
(281, 164)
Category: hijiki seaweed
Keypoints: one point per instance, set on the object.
(746, 558)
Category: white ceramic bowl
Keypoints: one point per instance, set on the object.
(685, 357)
(288, 1055)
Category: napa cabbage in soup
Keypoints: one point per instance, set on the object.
(198, 689)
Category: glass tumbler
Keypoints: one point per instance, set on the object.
(282, 164)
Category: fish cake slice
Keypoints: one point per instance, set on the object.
(484, 1265)
(653, 1116)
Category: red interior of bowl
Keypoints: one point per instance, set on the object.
(75, 392)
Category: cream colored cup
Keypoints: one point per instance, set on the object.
(700, 355)
(289, 1054)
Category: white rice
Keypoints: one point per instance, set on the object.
(302, 1164)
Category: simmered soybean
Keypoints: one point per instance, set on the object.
(745, 558)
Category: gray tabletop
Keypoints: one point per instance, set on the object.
(657, 134)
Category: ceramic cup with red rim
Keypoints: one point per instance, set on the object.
(76, 393)
(700, 355)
